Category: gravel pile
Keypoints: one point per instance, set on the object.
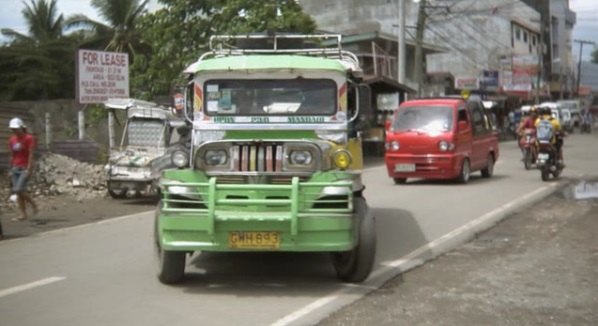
(59, 175)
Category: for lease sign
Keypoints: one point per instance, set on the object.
(102, 75)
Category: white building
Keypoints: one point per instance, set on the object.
(501, 37)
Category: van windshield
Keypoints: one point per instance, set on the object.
(424, 118)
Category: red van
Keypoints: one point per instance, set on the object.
(440, 138)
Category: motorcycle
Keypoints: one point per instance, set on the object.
(547, 161)
(527, 143)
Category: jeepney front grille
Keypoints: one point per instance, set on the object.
(257, 158)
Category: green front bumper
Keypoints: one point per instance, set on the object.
(198, 213)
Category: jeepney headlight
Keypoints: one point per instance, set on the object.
(180, 159)
(215, 157)
(300, 157)
(342, 159)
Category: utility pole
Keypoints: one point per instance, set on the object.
(419, 39)
(540, 50)
(581, 43)
(401, 44)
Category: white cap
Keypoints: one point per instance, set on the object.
(16, 123)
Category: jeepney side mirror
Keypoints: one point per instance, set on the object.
(363, 102)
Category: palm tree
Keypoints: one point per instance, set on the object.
(44, 25)
(120, 34)
(39, 64)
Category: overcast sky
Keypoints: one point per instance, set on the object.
(585, 29)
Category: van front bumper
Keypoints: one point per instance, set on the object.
(436, 166)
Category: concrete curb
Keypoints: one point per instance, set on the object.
(323, 307)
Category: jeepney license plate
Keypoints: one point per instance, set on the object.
(253, 239)
(404, 167)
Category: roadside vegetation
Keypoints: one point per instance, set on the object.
(40, 64)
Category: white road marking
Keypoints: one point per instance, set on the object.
(305, 310)
(406, 262)
(31, 285)
(80, 226)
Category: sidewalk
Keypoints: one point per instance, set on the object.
(537, 267)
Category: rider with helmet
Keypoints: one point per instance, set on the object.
(544, 113)
(528, 127)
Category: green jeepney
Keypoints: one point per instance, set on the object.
(275, 162)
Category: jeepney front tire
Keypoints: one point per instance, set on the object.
(171, 264)
(356, 265)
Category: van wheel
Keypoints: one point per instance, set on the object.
(465, 172)
(488, 171)
(400, 181)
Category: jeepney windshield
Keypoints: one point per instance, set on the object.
(145, 132)
(424, 118)
(270, 97)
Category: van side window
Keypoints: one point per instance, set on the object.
(479, 120)
(462, 114)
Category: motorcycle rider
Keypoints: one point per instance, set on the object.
(557, 138)
(528, 123)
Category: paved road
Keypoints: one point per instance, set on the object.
(104, 274)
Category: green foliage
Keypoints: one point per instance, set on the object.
(39, 65)
(120, 34)
(179, 33)
(595, 56)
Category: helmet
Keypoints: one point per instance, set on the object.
(16, 123)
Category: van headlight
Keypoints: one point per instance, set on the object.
(300, 157)
(180, 159)
(342, 159)
(392, 146)
(444, 146)
(215, 157)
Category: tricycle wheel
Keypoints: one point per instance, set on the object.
(355, 265)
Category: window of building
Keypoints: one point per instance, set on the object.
(517, 33)
(534, 40)
(525, 36)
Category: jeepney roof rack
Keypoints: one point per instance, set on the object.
(304, 44)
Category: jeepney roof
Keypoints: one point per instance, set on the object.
(266, 62)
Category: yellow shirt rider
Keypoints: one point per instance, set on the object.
(545, 114)
(557, 137)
